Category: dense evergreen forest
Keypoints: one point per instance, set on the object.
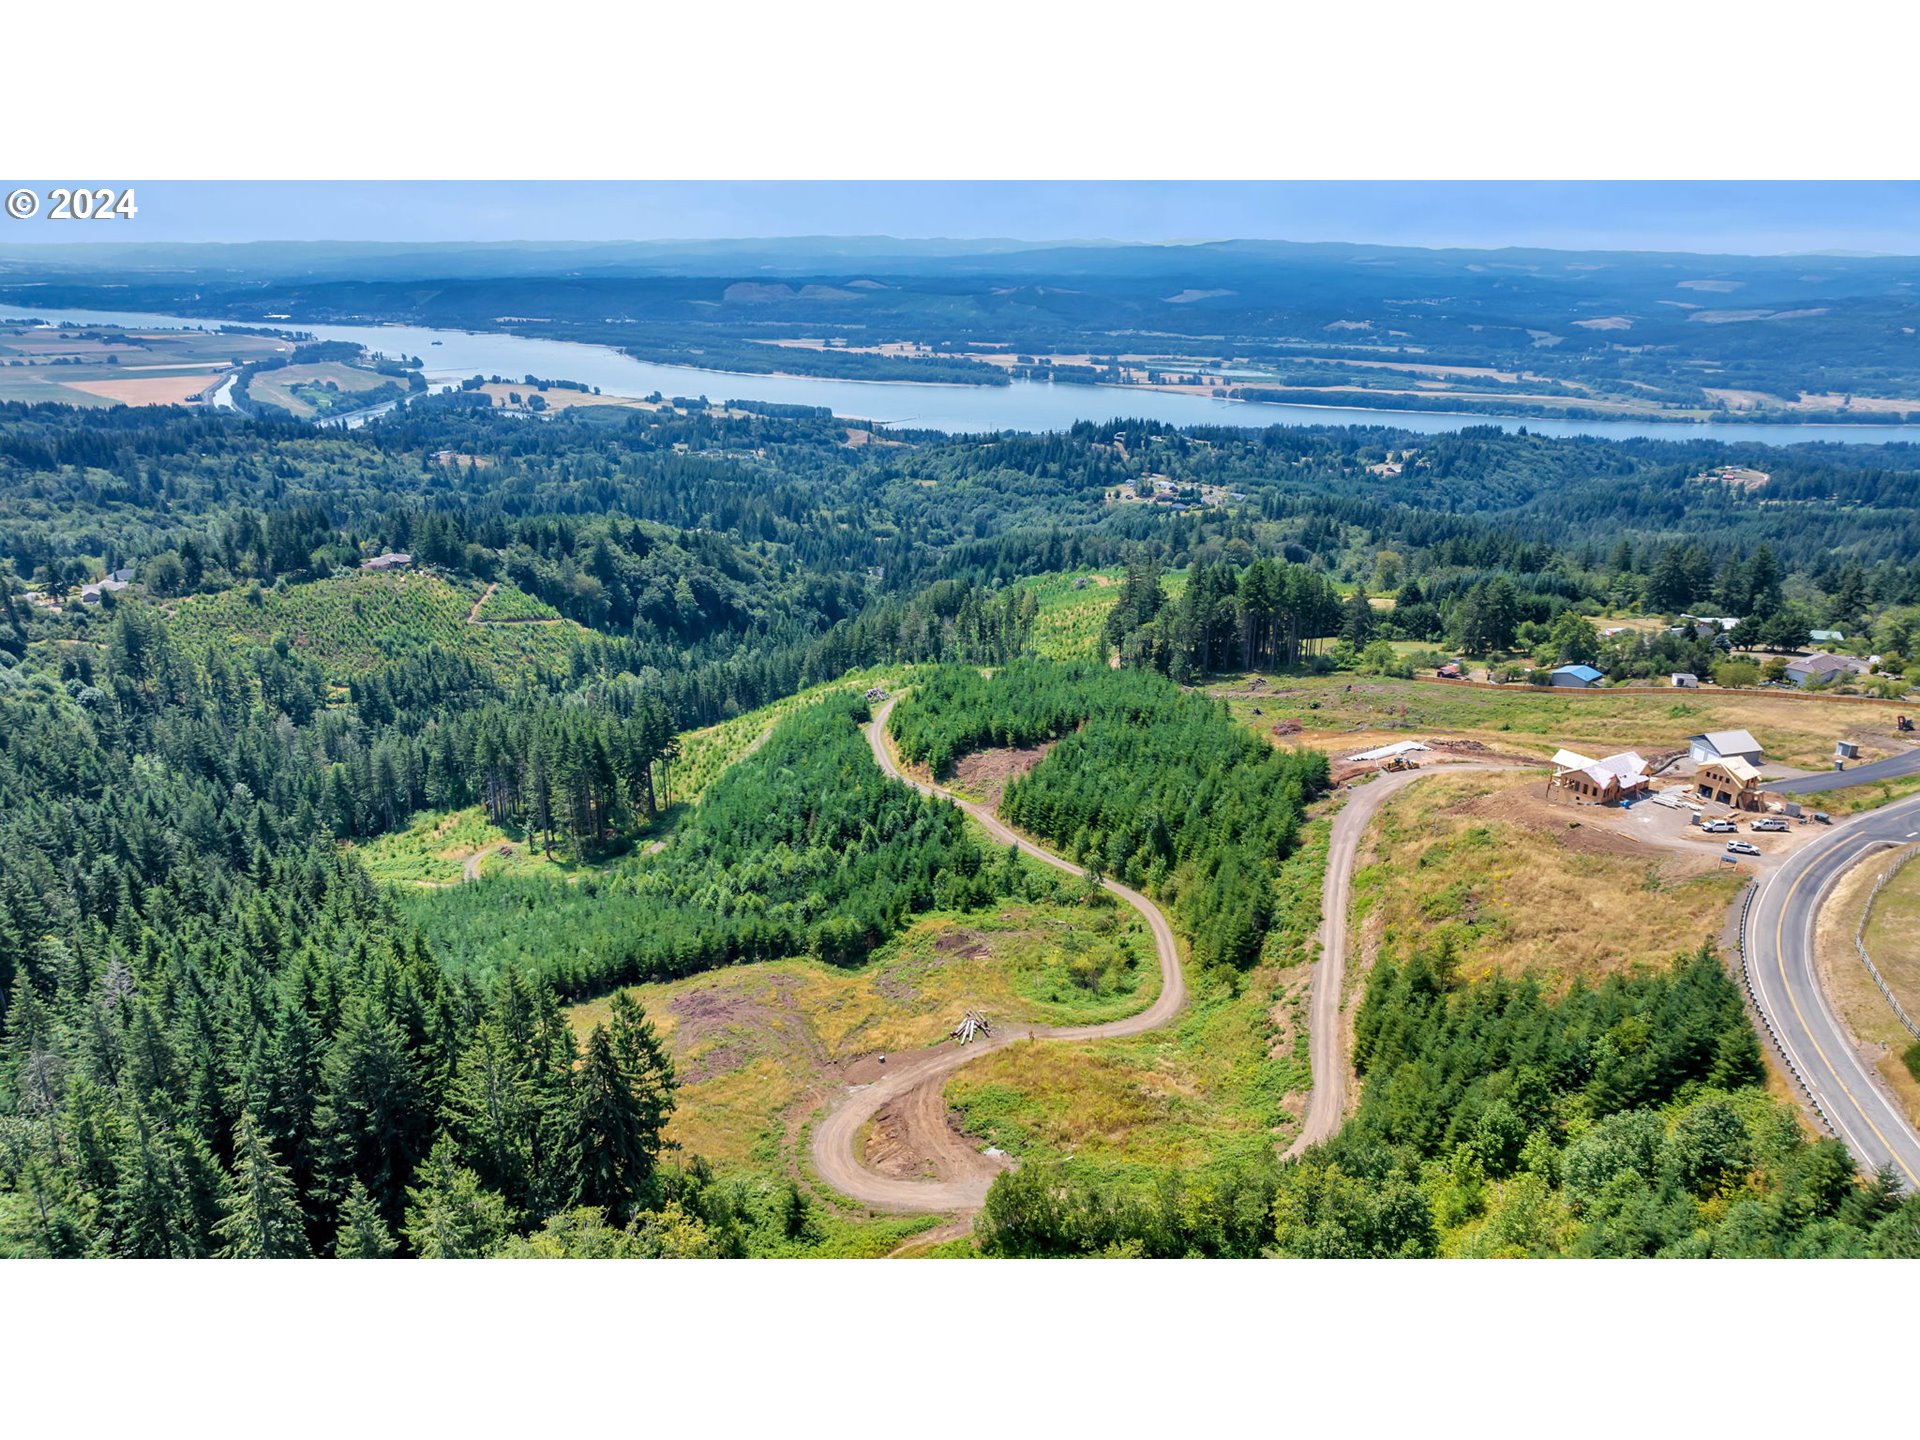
(1624, 1120)
(1155, 787)
(802, 848)
(220, 1037)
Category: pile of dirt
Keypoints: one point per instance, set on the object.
(965, 943)
(1478, 751)
(915, 1138)
(987, 773)
(891, 1151)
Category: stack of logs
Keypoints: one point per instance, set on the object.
(972, 1023)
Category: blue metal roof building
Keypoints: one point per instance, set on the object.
(1581, 676)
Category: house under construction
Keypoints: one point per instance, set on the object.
(1602, 782)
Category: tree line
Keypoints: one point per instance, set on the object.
(1624, 1119)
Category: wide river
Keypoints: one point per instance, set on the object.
(1023, 405)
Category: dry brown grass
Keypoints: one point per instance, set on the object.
(1893, 933)
(757, 1047)
(1794, 730)
(1448, 859)
(1877, 1032)
(557, 398)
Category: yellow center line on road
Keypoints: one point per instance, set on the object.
(1780, 958)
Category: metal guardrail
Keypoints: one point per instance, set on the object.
(1753, 997)
(1860, 941)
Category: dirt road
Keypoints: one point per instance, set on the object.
(1327, 1104)
(473, 615)
(913, 1086)
(470, 869)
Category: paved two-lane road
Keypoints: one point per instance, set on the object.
(1894, 767)
(1781, 967)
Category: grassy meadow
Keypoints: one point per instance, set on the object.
(1071, 613)
(706, 753)
(1449, 858)
(317, 389)
(1226, 1081)
(760, 1048)
(435, 848)
(1335, 709)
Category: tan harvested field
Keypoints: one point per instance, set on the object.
(1891, 940)
(1876, 403)
(104, 365)
(147, 389)
(1813, 401)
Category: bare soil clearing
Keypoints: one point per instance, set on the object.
(985, 774)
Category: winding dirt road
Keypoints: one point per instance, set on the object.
(914, 1085)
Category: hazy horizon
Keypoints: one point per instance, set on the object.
(1773, 218)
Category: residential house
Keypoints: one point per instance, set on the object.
(1827, 637)
(1706, 625)
(1603, 782)
(1820, 666)
(392, 560)
(1580, 677)
(1731, 781)
(115, 582)
(1722, 745)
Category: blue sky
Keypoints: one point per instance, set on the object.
(1739, 217)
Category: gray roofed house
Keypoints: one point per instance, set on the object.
(1723, 745)
(115, 582)
(1806, 669)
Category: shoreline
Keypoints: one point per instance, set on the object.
(1775, 429)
